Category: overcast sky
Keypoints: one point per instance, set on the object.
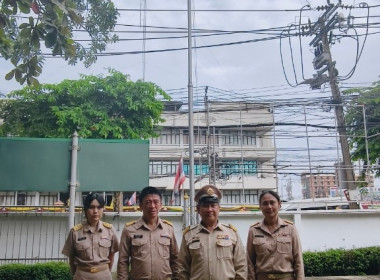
(233, 67)
(250, 65)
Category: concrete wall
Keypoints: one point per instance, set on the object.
(30, 237)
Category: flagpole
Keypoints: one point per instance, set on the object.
(191, 124)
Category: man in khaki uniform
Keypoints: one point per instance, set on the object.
(148, 246)
(211, 250)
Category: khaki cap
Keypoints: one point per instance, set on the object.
(208, 193)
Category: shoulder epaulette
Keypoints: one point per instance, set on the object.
(288, 222)
(231, 227)
(186, 230)
(107, 225)
(255, 224)
(167, 222)
(77, 227)
(130, 223)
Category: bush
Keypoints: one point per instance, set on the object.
(338, 262)
(38, 271)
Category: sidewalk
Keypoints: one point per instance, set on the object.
(368, 277)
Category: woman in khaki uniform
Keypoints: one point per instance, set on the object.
(273, 246)
(92, 244)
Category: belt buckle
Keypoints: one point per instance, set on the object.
(271, 276)
(93, 269)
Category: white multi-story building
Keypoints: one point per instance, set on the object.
(235, 138)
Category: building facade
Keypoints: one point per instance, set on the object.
(233, 149)
(318, 185)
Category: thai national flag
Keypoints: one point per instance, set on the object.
(132, 199)
(179, 179)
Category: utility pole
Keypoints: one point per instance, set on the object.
(191, 113)
(323, 58)
(208, 135)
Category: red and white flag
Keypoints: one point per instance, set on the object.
(179, 180)
(132, 200)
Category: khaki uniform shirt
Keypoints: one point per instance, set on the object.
(150, 254)
(90, 248)
(279, 252)
(217, 255)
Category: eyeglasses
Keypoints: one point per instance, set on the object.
(93, 207)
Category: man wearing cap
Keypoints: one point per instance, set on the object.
(211, 250)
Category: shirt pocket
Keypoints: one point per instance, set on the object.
(224, 249)
(83, 251)
(284, 244)
(164, 247)
(139, 247)
(259, 245)
(195, 249)
(104, 247)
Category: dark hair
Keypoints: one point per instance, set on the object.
(89, 198)
(149, 190)
(270, 192)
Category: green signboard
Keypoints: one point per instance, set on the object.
(33, 164)
(29, 164)
(114, 165)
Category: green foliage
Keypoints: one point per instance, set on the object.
(337, 262)
(39, 271)
(52, 22)
(370, 98)
(111, 107)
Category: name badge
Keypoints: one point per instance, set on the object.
(82, 238)
(223, 236)
(138, 236)
(165, 234)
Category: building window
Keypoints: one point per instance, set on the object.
(251, 196)
(7, 198)
(234, 197)
(233, 137)
(48, 198)
(200, 137)
(167, 137)
(160, 167)
(21, 198)
(198, 170)
(231, 197)
(169, 168)
(234, 167)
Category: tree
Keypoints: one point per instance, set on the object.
(52, 22)
(111, 107)
(368, 97)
